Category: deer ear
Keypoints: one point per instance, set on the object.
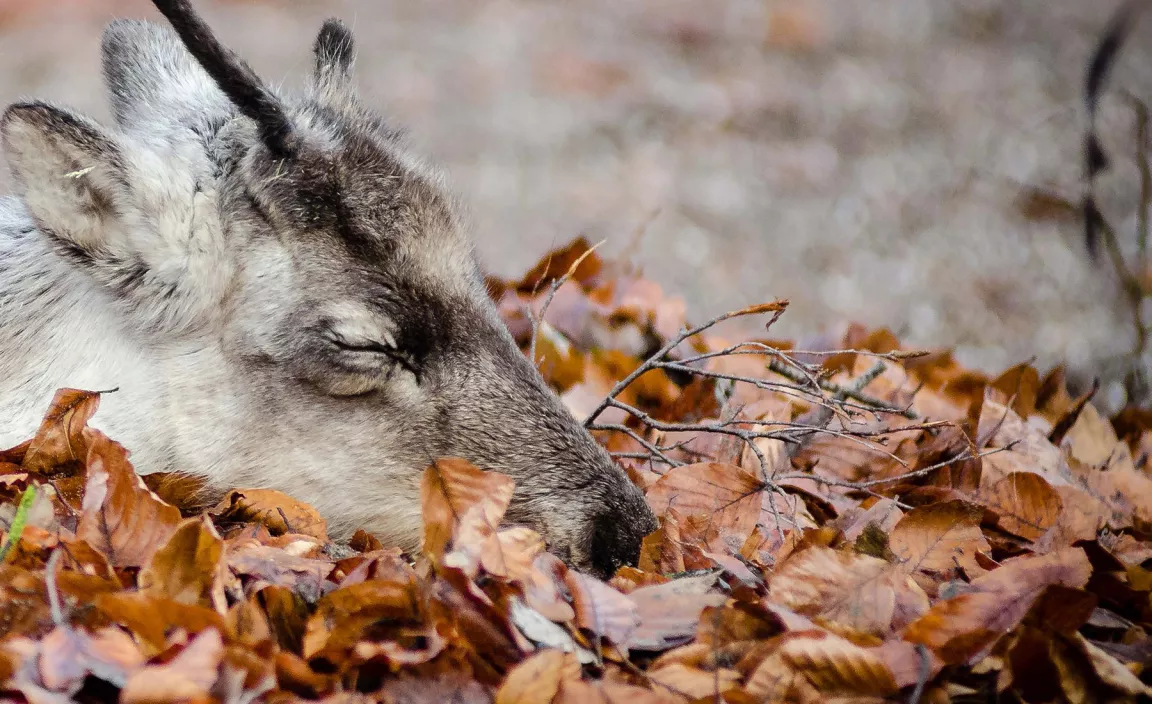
(69, 172)
(154, 81)
(334, 53)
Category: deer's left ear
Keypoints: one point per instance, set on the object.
(70, 173)
(153, 81)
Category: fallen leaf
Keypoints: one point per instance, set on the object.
(152, 619)
(694, 682)
(187, 569)
(601, 609)
(275, 566)
(940, 538)
(837, 667)
(188, 676)
(728, 495)
(668, 613)
(60, 443)
(457, 500)
(1026, 504)
(960, 628)
(537, 679)
(279, 512)
(121, 517)
(857, 591)
(68, 656)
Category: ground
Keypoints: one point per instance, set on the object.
(864, 160)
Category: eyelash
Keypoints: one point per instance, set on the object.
(376, 348)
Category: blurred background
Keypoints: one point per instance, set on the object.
(905, 163)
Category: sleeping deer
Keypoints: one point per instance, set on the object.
(282, 295)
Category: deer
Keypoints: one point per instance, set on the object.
(282, 295)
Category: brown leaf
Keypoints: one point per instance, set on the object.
(1001, 427)
(1111, 671)
(1020, 383)
(939, 538)
(1092, 440)
(857, 591)
(558, 262)
(1027, 505)
(836, 666)
(121, 517)
(279, 512)
(728, 495)
(1082, 518)
(959, 628)
(669, 613)
(537, 679)
(60, 444)
(457, 499)
(152, 619)
(363, 541)
(608, 692)
(189, 675)
(342, 616)
(601, 609)
(775, 680)
(662, 551)
(187, 569)
(694, 682)
(68, 656)
(24, 598)
(275, 566)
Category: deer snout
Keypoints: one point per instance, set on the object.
(618, 531)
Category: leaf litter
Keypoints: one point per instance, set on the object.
(841, 519)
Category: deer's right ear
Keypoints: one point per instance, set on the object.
(69, 172)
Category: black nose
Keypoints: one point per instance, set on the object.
(616, 539)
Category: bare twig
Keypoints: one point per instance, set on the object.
(538, 319)
(53, 591)
(849, 391)
(776, 307)
(805, 382)
(922, 676)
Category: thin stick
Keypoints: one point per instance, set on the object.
(776, 307)
(538, 320)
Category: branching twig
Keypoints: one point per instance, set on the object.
(776, 307)
(848, 391)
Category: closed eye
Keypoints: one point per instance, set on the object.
(397, 356)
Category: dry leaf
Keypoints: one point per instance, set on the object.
(188, 676)
(940, 538)
(121, 517)
(187, 569)
(461, 501)
(60, 442)
(960, 628)
(278, 512)
(1026, 504)
(730, 497)
(856, 591)
(537, 680)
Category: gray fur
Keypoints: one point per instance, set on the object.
(315, 324)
